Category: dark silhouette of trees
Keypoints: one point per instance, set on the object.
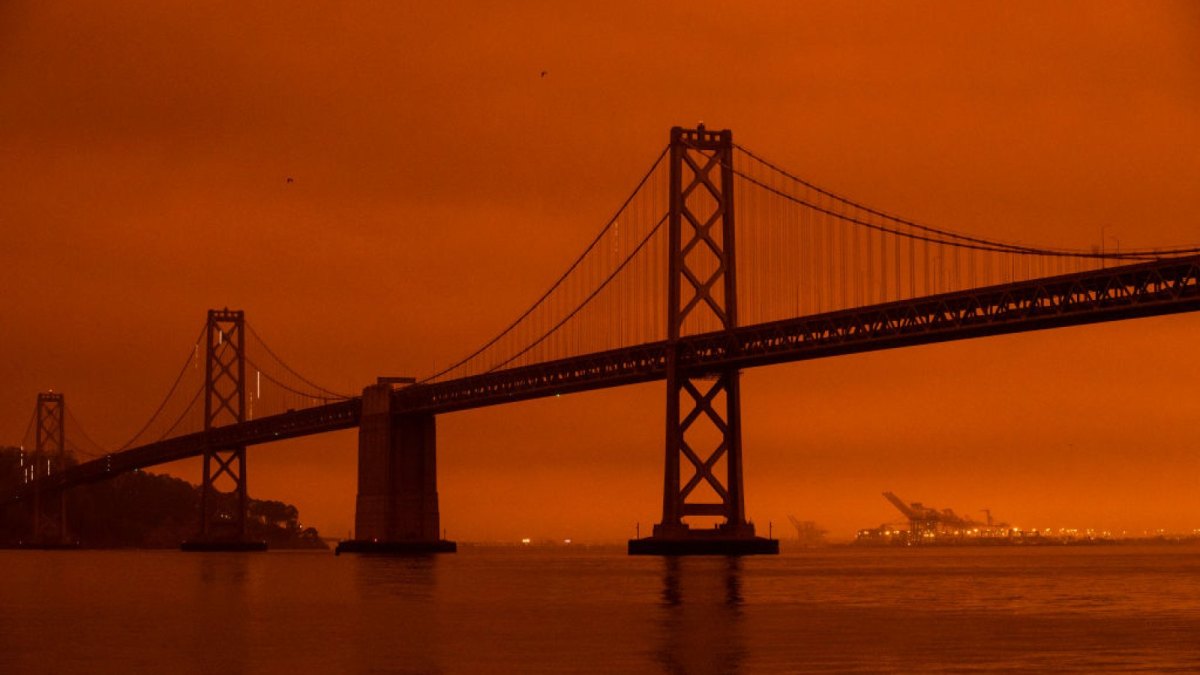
(146, 510)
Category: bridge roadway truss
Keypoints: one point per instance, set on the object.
(1131, 291)
(1161, 287)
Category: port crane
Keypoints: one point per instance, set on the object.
(925, 521)
(807, 532)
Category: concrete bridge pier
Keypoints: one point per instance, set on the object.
(397, 507)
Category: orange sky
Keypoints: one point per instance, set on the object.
(441, 184)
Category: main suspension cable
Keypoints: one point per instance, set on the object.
(182, 415)
(291, 370)
(967, 243)
(586, 300)
(986, 244)
(305, 394)
(25, 437)
(178, 378)
(560, 279)
(83, 432)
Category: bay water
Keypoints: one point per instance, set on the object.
(595, 609)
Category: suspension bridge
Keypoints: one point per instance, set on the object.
(683, 284)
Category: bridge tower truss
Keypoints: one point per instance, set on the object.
(703, 431)
(49, 454)
(223, 512)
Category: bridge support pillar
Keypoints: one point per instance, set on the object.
(703, 408)
(397, 506)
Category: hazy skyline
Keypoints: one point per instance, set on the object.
(440, 183)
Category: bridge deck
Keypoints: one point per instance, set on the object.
(1130, 291)
(1125, 292)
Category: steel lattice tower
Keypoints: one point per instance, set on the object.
(703, 406)
(224, 403)
(48, 455)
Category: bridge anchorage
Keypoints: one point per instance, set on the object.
(223, 512)
(703, 405)
(397, 506)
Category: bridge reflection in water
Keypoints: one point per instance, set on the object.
(701, 619)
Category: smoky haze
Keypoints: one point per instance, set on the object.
(440, 182)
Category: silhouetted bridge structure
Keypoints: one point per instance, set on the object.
(824, 276)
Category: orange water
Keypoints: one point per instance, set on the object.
(597, 610)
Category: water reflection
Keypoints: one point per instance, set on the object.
(399, 616)
(410, 577)
(219, 611)
(701, 615)
(225, 570)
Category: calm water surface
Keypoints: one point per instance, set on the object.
(597, 610)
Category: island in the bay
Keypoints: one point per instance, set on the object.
(145, 510)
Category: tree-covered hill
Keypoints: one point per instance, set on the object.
(145, 510)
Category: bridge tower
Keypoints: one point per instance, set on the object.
(223, 512)
(49, 526)
(703, 406)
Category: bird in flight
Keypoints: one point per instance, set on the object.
(544, 72)
(289, 179)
